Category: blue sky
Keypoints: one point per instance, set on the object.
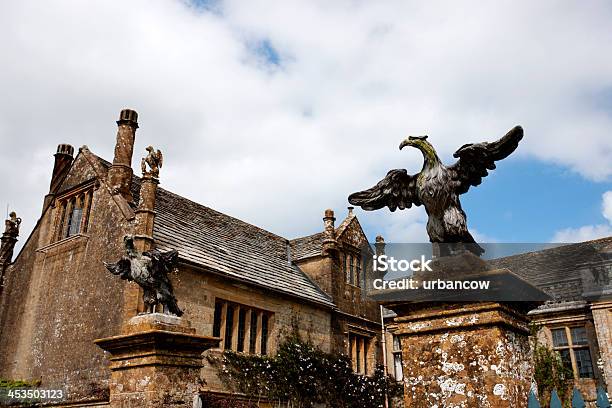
(528, 201)
(273, 111)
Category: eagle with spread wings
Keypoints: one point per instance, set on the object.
(438, 187)
(149, 270)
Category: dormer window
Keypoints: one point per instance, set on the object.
(73, 213)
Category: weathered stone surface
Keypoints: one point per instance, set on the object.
(464, 355)
(156, 363)
(120, 174)
(602, 318)
(53, 307)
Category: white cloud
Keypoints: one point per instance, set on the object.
(607, 206)
(482, 237)
(585, 233)
(276, 145)
(589, 232)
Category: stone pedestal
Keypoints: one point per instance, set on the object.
(155, 362)
(464, 355)
(468, 348)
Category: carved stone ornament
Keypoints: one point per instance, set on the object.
(154, 161)
(11, 225)
(438, 187)
(149, 270)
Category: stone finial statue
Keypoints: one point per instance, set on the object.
(438, 187)
(7, 243)
(154, 160)
(149, 269)
(12, 225)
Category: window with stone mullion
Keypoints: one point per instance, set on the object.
(571, 342)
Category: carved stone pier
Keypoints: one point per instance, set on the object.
(155, 362)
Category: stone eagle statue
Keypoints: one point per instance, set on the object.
(150, 270)
(154, 159)
(438, 187)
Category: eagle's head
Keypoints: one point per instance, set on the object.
(128, 243)
(421, 143)
(415, 141)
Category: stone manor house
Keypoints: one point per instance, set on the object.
(235, 281)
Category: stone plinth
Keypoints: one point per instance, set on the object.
(464, 355)
(155, 362)
(467, 353)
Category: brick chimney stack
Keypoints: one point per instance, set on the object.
(120, 173)
(380, 245)
(63, 161)
(329, 233)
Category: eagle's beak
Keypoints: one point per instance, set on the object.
(406, 142)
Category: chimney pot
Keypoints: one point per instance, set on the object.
(65, 149)
(350, 210)
(128, 117)
(329, 213)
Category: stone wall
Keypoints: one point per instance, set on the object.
(602, 318)
(60, 297)
(197, 291)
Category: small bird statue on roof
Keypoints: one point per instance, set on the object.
(154, 159)
(11, 225)
(438, 187)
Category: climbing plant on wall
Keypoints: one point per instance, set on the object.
(550, 372)
(303, 375)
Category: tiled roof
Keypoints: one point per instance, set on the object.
(306, 247)
(210, 239)
(559, 271)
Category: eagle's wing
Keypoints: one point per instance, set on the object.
(397, 190)
(162, 262)
(476, 158)
(160, 158)
(121, 268)
(143, 165)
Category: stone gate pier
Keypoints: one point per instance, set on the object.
(473, 353)
(155, 362)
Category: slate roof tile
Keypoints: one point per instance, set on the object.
(557, 271)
